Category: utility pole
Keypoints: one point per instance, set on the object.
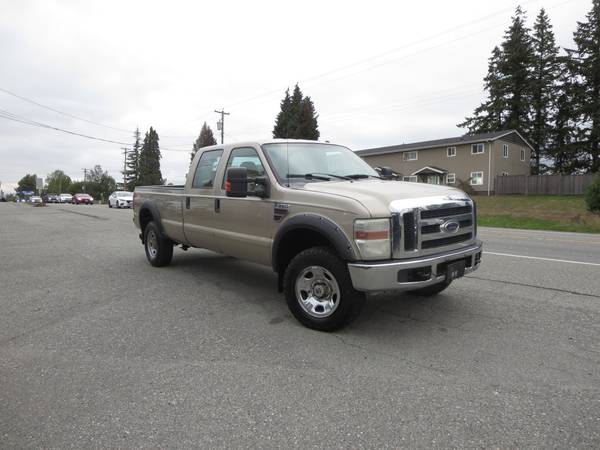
(125, 149)
(85, 171)
(221, 123)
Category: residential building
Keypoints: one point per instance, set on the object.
(475, 159)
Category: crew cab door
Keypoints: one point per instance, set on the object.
(246, 225)
(199, 220)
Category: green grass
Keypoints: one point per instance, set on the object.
(543, 212)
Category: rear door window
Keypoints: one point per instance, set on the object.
(204, 177)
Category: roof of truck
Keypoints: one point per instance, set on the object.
(267, 141)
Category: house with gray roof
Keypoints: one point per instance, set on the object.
(474, 159)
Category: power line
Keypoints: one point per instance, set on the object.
(16, 118)
(58, 111)
(380, 55)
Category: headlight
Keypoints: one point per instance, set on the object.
(372, 236)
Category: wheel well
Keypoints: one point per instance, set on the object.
(145, 219)
(293, 243)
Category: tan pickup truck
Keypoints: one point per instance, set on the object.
(328, 224)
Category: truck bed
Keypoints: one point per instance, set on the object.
(169, 201)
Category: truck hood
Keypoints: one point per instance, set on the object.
(377, 195)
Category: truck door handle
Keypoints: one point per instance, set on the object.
(217, 205)
(187, 203)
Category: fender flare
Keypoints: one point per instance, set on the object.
(328, 229)
(151, 207)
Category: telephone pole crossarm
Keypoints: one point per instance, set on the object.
(221, 123)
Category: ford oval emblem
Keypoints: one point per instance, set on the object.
(450, 226)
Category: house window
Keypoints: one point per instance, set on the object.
(522, 154)
(505, 151)
(412, 178)
(476, 178)
(451, 152)
(409, 156)
(477, 149)
(451, 178)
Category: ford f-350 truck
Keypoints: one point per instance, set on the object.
(331, 227)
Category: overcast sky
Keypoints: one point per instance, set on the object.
(379, 72)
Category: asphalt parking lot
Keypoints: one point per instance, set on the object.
(99, 349)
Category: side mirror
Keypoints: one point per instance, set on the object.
(237, 182)
(386, 172)
(262, 188)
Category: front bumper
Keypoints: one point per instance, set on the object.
(411, 273)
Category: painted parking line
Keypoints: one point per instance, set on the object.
(584, 263)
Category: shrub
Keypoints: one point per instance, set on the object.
(592, 195)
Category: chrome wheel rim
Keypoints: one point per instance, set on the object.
(151, 244)
(317, 291)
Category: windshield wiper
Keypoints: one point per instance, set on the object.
(357, 176)
(308, 176)
(339, 177)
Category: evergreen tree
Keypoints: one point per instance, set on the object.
(489, 116)
(283, 117)
(297, 118)
(562, 144)
(517, 57)
(508, 83)
(586, 63)
(205, 139)
(58, 182)
(149, 160)
(543, 87)
(132, 162)
(306, 121)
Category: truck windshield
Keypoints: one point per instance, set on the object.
(318, 161)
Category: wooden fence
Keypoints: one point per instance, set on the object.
(543, 184)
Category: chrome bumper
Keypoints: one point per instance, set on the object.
(428, 270)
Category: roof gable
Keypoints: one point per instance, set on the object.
(510, 135)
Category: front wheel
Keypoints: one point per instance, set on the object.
(319, 291)
(159, 250)
(434, 289)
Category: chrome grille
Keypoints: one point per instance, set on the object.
(431, 225)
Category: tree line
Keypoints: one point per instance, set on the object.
(98, 183)
(550, 95)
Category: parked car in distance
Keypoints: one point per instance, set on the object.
(120, 199)
(50, 198)
(82, 198)
(65, 198)
(36, 199)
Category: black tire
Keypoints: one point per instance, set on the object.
(346, 304)
(109, 205)
(434, 289)
(159, 250)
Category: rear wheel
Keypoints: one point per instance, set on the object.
(159, 250)
(318, 290)
(434, 289)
